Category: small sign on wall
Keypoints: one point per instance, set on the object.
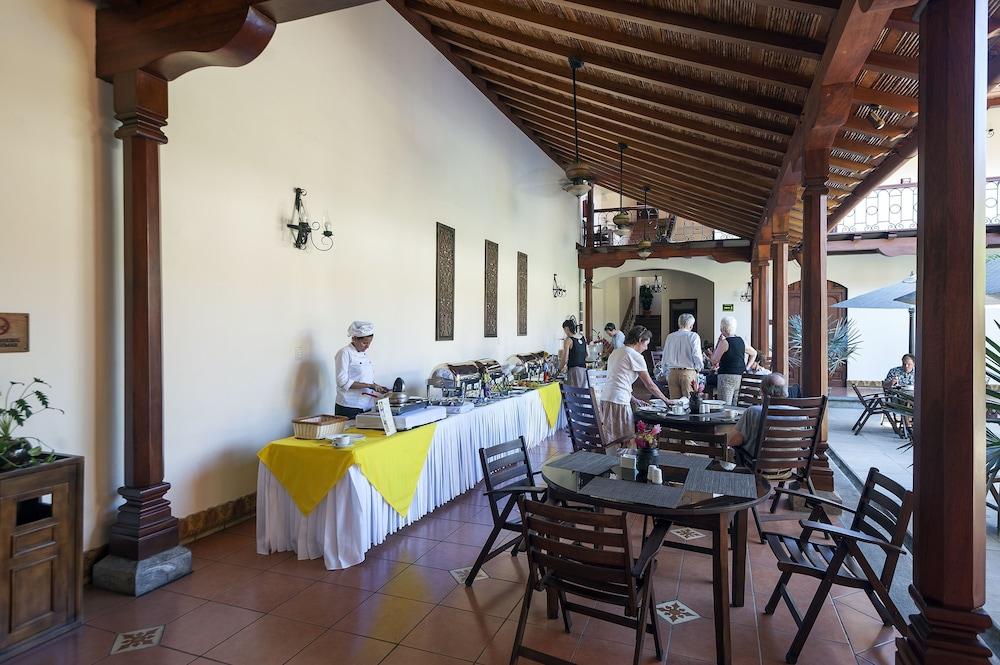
(13, 333)
(727, 307)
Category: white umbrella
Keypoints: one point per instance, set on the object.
(992, 287)
(887, 297)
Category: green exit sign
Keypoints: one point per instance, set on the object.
(727, 307)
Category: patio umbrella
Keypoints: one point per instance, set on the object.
(992, 286)
(887, 297)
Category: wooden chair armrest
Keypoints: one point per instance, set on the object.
(812, 499)
(516, 489)
(836, 532)
(650, 548)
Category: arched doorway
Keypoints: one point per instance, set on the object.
(835, 293)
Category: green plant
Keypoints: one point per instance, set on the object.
(843, 341)
(646, 297)
(20, 402)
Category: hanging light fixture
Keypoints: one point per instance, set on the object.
(622, 220)
(876, 118)
(578, 175)
(645, 250)
(657, 285)
(747, 296)
(558, 290)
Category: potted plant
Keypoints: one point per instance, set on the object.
(646, 299)
(645, 447)
(41, 525)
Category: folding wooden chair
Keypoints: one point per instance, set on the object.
(585, 431)
(881, 519)
(993, 483)
(508, 475)
(786, 444)
(750, 390)
(588, 555)
(872, 404)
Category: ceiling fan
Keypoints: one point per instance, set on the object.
(578, 180)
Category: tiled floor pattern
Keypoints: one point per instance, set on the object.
(403, 607)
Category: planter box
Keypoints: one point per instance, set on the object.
(41, 561)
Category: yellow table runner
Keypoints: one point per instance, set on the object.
(551, 402)
(309, 469)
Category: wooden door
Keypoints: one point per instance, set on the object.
(835, 293)
(680, 306)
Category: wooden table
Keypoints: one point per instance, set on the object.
(696, 509)
(712, 423)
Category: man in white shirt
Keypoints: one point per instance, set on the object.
(682, 357)
(616, 336)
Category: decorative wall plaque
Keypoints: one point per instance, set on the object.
(444, 309)
(13, 333)
(522, 293)
(490, 301)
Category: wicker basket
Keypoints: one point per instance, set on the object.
(318, 427)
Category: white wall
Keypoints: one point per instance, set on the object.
(386, 136)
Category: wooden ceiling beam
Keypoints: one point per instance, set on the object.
(887, 133)
(583, 78)
(500, 74)
(614, 39)
(604, 161)
(902, 19)
(825, 8)
(892, 64)
(851, 165)
(735, 157)
(853, 34)
(614, 65)
(616, 257)
(423, 26)
(688, 24)
(696, 161)
(674, 163)
(900, 103)
(860, 147)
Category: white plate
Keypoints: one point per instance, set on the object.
(354, 439)
(717, 402)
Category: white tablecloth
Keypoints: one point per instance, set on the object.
(354, 517)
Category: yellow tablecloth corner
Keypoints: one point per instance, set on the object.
(551, 401)
(309, 469)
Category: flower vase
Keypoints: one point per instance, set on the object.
(645, 457)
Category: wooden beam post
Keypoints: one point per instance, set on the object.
(588, 301)
(779, 316)
(949, 455)
(755, 301)
(759, 328)
(144, 525)
(588, 205)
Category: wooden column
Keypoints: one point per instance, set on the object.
(755, 303)
(763, 310)
(588, 301)
(949, 451)
(779, 315)
(588, 209)
(144, 525)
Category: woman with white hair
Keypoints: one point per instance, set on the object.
(356, 390)
(625, 366)
(731, 358)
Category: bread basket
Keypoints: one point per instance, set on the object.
(318, 427)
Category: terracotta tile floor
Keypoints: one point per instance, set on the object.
(402, 607)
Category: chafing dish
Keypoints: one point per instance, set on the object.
(451, 380)
(529, 366)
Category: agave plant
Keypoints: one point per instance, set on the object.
(843, 341)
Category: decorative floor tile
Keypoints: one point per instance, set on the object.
(461, 573)
(675, 612)
(136, 640)
(687, 533)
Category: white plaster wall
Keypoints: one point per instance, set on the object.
(387, 137)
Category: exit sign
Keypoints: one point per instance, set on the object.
(727, 307)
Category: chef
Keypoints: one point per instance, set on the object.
(356, 390)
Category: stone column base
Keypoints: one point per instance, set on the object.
(135, 578)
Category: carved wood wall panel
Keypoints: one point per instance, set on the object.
(490, 276)
(522, 293)
(444, 316)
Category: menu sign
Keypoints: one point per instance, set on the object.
(385, 413)
(13, 333)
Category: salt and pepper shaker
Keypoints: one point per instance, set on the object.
(654, 475)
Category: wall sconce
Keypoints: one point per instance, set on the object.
(557, 290)
(876, 118)
(747, 296)
(302, 227)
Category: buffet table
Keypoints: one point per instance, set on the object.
(317, 501)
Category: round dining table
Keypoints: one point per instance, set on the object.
(716, 422)
(697, 492)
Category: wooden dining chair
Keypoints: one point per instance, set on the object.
(881, 520)
(583, 557)
(584, 419)
(786, 444)
(694, 443)
(872, 404)
(993, 483)
(508, 476)
(749, 393)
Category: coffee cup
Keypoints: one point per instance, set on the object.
(340, 440)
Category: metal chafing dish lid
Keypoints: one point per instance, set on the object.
(461, 372)
(489, 366)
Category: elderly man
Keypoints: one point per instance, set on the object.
(902, 376)
(744, 437)
(682, 357)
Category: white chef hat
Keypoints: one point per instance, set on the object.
(361, 329)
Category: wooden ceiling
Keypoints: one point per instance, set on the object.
(709, 95)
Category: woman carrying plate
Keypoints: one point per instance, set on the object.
(356, 390)
(625, 366)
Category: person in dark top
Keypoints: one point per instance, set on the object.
(573, 358)
(731, 358)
